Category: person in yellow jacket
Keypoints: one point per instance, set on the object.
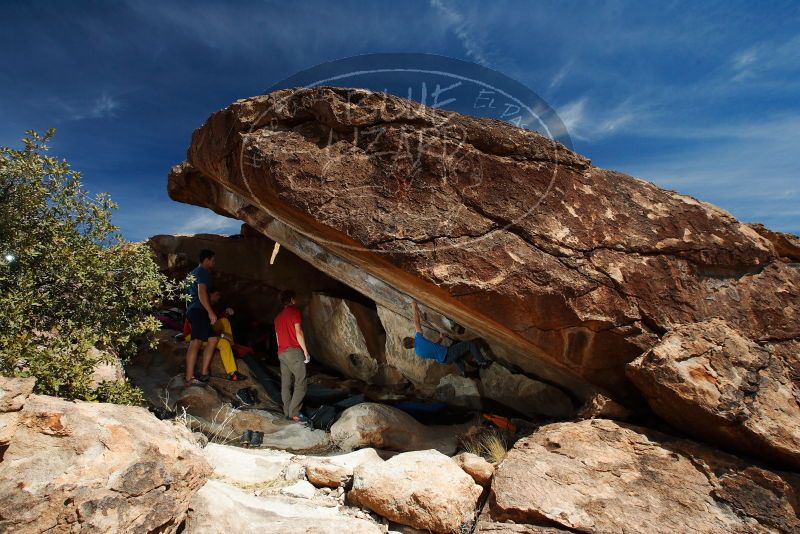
(225, 342)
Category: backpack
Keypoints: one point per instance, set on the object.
(323, 418)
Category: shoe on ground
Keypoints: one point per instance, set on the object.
(194, 382)
(257, 439)
(247, 437)
(236, 376)
(204, 378)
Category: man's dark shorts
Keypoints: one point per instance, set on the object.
(200, 323)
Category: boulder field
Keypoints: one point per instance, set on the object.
(575, 275)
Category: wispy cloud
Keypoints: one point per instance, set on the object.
(747, 168)
(99, 107)
(208, 222)
(560, 75)
(766, 59)
(460, 26)
(590, 123)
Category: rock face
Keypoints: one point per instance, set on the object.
(89, 467)
(711, 382)
(384, 427)
(458, 391)
(348, 336)
(525, 395)
(568, 271)
(423, 489)
(600, 476)
(419, 371)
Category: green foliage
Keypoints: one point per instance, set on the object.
(68, 281)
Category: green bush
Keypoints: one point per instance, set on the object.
(68, 281)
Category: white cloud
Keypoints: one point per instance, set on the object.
(748, 169)
(572, 115)
(208, 222)
(460, 26)
(766, 60)
(587, 123)
(560, 75)
(100, 107)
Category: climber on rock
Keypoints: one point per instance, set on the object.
(293, 355)
(434, 350)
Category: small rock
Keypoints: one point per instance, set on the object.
(423, 489)
(475, 466)
(335, 471)
(599, 405)
(301, 489)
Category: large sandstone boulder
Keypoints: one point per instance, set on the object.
(348, 336)
(527, 396)
(423, 489)
(459, 391)
(567, 270)
(711, 382)
(383, 427)
(600, 476)
(89, 467)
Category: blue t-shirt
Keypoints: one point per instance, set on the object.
(428, 349)
(201, 276)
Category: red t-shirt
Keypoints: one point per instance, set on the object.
(284, 328)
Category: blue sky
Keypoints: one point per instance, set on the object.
(700, 97)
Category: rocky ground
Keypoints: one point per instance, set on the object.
(119, 469)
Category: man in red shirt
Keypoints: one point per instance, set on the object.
(293, 355)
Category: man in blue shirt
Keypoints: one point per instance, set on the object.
(201, 316)
(434, 350)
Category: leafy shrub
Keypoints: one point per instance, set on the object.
(68, 281)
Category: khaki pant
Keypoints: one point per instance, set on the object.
(293, 373)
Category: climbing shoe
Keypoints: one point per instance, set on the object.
(204, 378)
(247, 437)
(299, 419)
(257, 438)
(236, 376)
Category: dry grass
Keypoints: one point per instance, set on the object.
(218, 430)
(488, 443)
(256, 488)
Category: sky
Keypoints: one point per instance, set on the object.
(699, 97)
